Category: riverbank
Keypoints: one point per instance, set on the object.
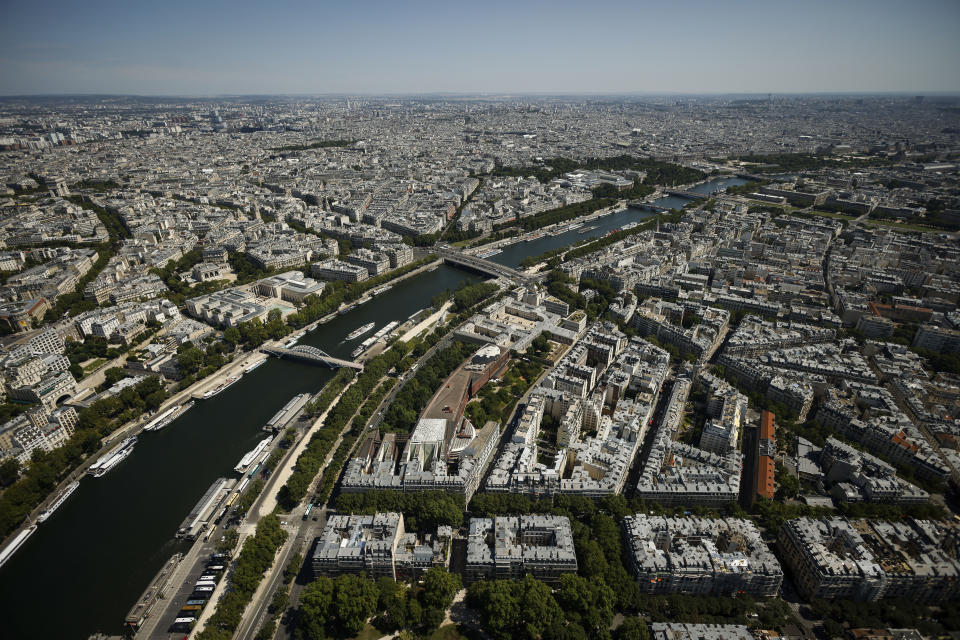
(265, 504)
(194, 391)
(126, 520)
(659, 197)
(620, 205)
(426, 323)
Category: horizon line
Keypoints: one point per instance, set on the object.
(878, 93)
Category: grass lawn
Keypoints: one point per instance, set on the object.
(93, 366)
(899, 226)
(448, 632)
(831, 214)
(370, 633)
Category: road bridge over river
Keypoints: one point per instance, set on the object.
(307, 353)
(488, 267)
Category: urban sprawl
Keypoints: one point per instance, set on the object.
(733, 417)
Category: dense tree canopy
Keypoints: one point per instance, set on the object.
(340, 607)
(416, 393)
(424, 510)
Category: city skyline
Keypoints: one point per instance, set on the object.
(690, 48)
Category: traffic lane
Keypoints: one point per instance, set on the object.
(183, 593)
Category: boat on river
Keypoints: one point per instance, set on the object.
(223, 387)
(356, 333)
(46, 513)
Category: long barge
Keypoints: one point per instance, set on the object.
(366, 344)
(66, 493)
(386, 329)
(223, 387)
(283, 416)
(203, 511)
(251, 455)
(153, 593)
(112, 459)
(379, 335)
(168, 416)
(356, 333)
(253, 366)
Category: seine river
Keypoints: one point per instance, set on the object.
(85, 567)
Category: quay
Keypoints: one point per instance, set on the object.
(153, 593)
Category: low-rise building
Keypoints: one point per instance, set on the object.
(509, 547)
(835, 558)
(339, 270)
(291, 286)
(700, 556)
(690, 631)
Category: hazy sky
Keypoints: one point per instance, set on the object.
(402, 46)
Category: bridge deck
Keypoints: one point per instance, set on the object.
(693, 195)
(325, 360)
(485, 266)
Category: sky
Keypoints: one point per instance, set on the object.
(206, 48)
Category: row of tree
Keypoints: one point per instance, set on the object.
(249, 496)
(332, 472)
(416, 393)
(560, 214)
(423, 510)
(471, 294)
(310, 461)
(324, 399)
(254, 560)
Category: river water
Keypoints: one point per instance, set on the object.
(514, 254)
(85, 567)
